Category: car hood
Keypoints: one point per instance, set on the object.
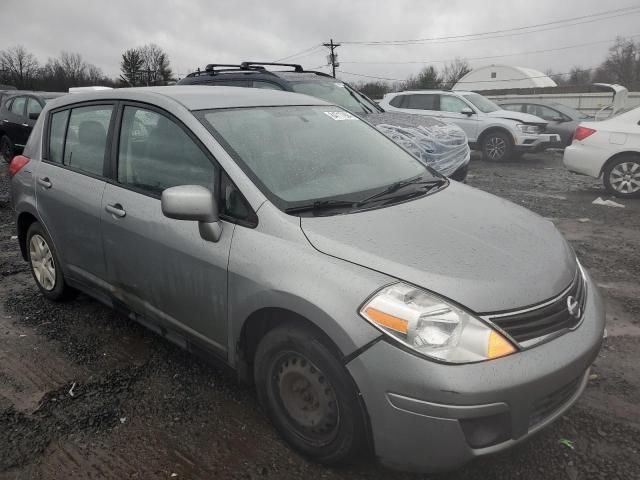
(518, 117)
(440, 145)
(470, 246)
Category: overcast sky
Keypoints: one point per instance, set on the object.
(197, 32)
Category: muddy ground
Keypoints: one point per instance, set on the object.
(85, 393)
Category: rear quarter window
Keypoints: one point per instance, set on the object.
(57, 128)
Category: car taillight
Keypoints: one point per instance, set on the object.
(18, 162)
(583, 132)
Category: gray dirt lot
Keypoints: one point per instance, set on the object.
(142, 408)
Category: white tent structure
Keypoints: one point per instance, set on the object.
(498, 77)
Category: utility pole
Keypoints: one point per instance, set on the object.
(332, 56)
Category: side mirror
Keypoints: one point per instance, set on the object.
(467, 111)
(195, 203)
(34, 115)
(558, 119)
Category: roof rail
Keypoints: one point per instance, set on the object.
(210, 67)
(249, 65)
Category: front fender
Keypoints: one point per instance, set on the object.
(268, 271)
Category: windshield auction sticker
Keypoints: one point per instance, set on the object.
(340, 115)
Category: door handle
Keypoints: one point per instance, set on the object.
(5, 120)
(45, 182)
(115, 209)
(25, 124)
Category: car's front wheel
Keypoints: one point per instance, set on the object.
(622, 177)
(309, 395)
(45, 266)
(6, 149)
(496, 146)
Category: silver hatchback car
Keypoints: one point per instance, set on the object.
(374, 304)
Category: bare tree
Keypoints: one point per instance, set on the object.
(155, 65)
(427, 78)
(622, 62)
(453, 71)
(19, 67)
(579, 76)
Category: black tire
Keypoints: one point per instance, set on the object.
(309, 396)
(497, 146)
(7, 149)
(622, 176)
(56, 290)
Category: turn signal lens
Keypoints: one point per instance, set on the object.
(388, 321)
(498, 346)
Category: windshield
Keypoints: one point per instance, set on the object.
(337, 93)
(301, 154)
(481, 103)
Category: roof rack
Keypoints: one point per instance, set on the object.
(256, 65)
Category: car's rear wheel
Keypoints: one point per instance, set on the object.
(45, 266)
(7, 150)
(309, 395)
(496, 147)
(622, 176)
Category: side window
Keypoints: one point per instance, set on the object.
(233, 203)
(396, 101)
(155, 153)
(512, 107)
(543, 112)
(266, 85)
(56, 135)
(17, 106)
(421, 102)
(86, 140)
(449, 103)
(33, 106)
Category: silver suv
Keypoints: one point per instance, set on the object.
(372, 302)
(499, 134)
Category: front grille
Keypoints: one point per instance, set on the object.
(549, 318)
(546, 406)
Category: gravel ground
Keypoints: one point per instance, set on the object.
(85, 393)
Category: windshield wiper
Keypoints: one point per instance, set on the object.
(321, 205)
(394, 187)
(366, 107)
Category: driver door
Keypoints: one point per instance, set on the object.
(160, 267)
(451, 111)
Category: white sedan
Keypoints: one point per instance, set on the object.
(611, 149)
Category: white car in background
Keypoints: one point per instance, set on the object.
(611, 149)
(499, 134)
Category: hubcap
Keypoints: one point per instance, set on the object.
(307, 397)
(496, 147)
(625, 177)
(44, 268)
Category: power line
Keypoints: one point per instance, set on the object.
(478, 81)
(491, 56)
(510, 31)
(306, 50)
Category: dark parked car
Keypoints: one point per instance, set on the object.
(18, 114)
(562, 120)
(443, 146)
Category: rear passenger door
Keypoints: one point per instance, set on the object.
(69, 186)
(14, 121)
(160, 267)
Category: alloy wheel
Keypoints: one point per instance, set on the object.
(496, 148)
(625, 177)
(42, 263)
(307, 397)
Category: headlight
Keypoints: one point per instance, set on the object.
(528, 128)
(433, 327)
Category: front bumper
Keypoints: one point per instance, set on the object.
(536, 143)
(427, 416)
